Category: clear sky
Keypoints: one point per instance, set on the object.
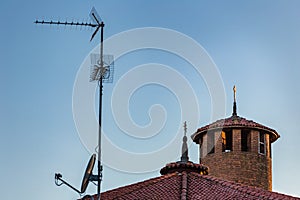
(254, 45)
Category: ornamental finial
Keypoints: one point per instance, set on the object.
(234, 93)
(234, 113)
(184, 150)
(185, 128)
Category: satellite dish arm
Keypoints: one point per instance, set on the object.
(58, 177)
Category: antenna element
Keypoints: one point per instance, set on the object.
(98, 23)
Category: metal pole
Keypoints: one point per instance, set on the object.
(100, 115)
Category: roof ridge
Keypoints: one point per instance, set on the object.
(184, 185)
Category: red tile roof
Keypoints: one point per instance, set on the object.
(190, 185)
(234, 122)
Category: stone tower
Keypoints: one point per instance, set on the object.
(237, 149)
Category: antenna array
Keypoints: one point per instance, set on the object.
(102, 67)
(65, 23)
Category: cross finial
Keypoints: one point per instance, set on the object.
(234, 93)
(234, 113)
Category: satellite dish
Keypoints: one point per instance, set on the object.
(88, 173)
(88, 176)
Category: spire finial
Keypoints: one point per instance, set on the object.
(234, 102)
(184, 153)
(234, 93)
(185, 128)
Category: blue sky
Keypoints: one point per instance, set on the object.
(254, 44)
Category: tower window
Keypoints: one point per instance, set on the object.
(223, 141)
(261, 145)
(211, 143)
(245, 140)
(226, 141)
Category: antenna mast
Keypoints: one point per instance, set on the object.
(99, 73)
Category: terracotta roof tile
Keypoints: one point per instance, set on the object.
(189, 186)
(231, 190)
(234, 122)
(150, 189)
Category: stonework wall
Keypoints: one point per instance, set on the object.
(218, 141)
(203, 147)
(236, 140)
(242, 167)
(247, 167)
(268, 155)
(254, 140)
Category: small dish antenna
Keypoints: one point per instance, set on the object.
(87, 177)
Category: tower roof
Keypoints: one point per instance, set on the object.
(234, 121)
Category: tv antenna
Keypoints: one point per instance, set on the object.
(101, 71)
